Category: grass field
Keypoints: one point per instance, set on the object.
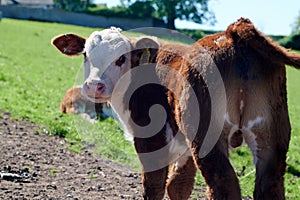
(34, 78)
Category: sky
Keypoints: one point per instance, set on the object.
(269, 16)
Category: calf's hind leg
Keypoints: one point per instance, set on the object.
(181, 178)
(270, 169)
(271, 163)
(218, 173)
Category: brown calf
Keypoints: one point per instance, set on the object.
(252, 69)
(75, 103)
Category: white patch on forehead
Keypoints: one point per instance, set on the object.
(104, 47)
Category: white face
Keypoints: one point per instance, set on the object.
(107, 58)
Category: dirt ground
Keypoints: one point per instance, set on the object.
(39, 166)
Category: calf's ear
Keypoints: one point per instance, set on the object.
(69, 44)
(145, 49)
(147, 42)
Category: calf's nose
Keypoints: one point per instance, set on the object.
(94, 90)
(100, 87)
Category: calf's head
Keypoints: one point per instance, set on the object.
(108, 55)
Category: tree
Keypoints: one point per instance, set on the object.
(190, 10)
(141, 9)
(72, 5)
(292, 41)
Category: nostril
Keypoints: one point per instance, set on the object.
(100, 86)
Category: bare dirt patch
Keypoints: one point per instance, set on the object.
(34, 165)
(39, 166)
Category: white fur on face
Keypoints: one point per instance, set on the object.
(102, 50)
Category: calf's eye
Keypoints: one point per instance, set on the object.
(121, 61)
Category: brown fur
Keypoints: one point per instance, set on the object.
(69, 44)
(253, 71)
(74, 103)
(181, 180)
(250, 62)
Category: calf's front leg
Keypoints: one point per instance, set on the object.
(154, 174)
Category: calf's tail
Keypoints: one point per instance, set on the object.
(243, 31)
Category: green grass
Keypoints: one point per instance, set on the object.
(34, 78)
(52, 172)
(292, 178)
